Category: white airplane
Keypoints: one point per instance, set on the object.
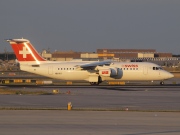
(93, 72)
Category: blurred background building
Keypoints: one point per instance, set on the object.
(8, 59)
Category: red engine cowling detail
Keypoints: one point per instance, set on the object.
(111, 72)
(105, 72)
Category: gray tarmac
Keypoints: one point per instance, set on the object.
(55, 122)
(102, 110)
(140, 98)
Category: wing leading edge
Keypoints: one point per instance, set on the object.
(93, 65)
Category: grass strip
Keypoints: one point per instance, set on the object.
(5, 91)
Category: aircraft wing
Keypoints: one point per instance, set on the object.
(93, 65)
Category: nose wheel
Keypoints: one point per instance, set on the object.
(161, 83)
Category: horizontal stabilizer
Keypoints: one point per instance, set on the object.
(17, 40)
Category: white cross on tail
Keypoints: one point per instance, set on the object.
(24, 52)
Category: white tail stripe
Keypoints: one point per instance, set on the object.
(31, 53)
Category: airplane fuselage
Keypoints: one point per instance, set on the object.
(93, 72)
(130, 71)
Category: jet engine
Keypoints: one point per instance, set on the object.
(111, 72)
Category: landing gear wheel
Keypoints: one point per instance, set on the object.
(162, 83)
(97, 83)
(94, 83)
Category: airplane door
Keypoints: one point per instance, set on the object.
(50, 70)
(159, 72)
(145, 70)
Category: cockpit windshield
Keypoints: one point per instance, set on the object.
(157, 68)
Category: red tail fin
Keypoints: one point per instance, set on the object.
(24, 51)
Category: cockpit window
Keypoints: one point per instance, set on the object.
(157, 68)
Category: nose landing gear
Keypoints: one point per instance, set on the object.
(161, 83)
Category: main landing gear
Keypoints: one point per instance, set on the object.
(97, 83)
(94, 83)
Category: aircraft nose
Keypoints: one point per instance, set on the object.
(170, 75)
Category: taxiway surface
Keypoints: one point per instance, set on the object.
(141, 98)
(55, 122)
(157, 112)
